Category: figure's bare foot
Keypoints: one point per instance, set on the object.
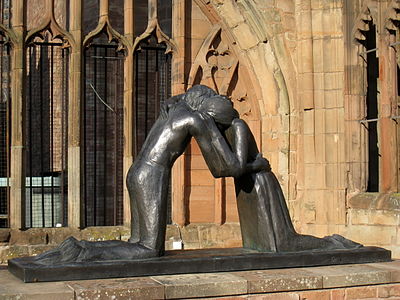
(72, 250)
(302, 242)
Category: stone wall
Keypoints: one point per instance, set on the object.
(364, 281)
(302, 80)
(16, 243)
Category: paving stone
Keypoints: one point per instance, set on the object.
(280, 280)
(350, 275)
(12, 288)
(202, 285)
(393, 267)
(126, 288)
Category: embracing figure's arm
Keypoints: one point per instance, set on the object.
(220, 158)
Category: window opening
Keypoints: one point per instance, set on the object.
(103, 135)
(372, 67)
(4, 135)
(5, 124)
(46, 135)
(152, 87)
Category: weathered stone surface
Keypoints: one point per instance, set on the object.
(315, 295)
(37, 249)
(101, 233)
(57, 235)
(12, 288)
(365, 292)
(33, 236)
(13, 251)
(389, 291)
(190, 234)
(4, 235)
(393, 267)
(281, 280)
(202, 285)
(350, 275)
(127, 288)
(363, 200)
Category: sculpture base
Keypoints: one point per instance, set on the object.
(192, 261)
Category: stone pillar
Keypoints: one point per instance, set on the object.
(129, 140)
(323, 182)
(18, 71)
(179, 209)
(387, 107)
(75, 205)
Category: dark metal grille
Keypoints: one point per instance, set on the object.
(103, 136)
(46, 135)
(4, 135)
(152, 87)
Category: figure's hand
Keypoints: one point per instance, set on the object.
(261, 164)
(208, 120)
(164, 111)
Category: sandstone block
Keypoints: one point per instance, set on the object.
(390, 290)
(190, 234)
(101, 233)
(244, 36)
(363, 200)
(361, 292)
(393, 267)
(229, 12)
(350, 275)
(286, 6)
(372, 234)
(332, 98)
(37, 249)
(33, 236)
(274, 296)
(384, 217)
(280, 280)
(126, 288)
(338, 294)
(4, 235)
(331, 121)
(58, 235)
(13, 288)
(315, 295)
(359, 216)
(202, 285)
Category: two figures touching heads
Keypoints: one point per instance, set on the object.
(230, 150)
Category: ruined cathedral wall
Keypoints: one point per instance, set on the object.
(311, 81)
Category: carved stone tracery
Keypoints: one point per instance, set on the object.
(217, 66)
(50, 29)
(363, 25)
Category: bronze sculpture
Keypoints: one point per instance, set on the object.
(229, 149)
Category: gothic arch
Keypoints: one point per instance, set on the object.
(269, 72)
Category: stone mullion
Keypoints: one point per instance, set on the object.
(387, 128)
(75, 205)
(129, 140)
(104, 9)
(179, 203)
(18, 71)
